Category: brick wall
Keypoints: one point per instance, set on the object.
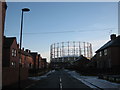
(115, 56)
(29, 62)
(2, 22)
(111, 60)
(1, 33)
(10, 75)
(6, 58)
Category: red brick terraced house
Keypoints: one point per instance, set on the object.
(36, 60)
(81, 63)
(43, 63)
(39, 62)
(10, 52)
(10, 63)
(93, 62)
(108, 56)
(26, 59)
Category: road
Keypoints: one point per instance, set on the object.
(61, 80)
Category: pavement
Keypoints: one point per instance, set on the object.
(94, 82)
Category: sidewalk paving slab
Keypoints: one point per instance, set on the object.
(94, 82)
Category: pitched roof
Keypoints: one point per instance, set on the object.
(111, 43)
(8, 41)
(26, 53)
(82, 58)
(34, 53)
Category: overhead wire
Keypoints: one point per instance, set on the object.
(71, 31)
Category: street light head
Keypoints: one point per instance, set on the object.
(26, 9)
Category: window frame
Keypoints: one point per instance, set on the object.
(100, 53)
(15, 52)
(12, 52)
(105, 52)
(12, 63)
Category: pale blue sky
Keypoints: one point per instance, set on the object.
(50, 22)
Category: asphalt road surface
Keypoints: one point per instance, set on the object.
(61, 80)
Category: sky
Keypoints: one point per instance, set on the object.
(52, 22)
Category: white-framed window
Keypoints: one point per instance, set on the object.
(105, 52)
(12, 63)
(100, 53)
(13, 52)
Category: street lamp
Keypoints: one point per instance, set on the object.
(23, 10)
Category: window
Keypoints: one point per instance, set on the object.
(15, 52)
(100, 54)
(12, 52)
(12, 63)
(105, 52)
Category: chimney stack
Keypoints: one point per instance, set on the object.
(113, 36)
(23, 49)
(29, 51)
(18, 46)
(26, 50)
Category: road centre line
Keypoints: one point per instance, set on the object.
(60, 79)
(30, 86)
(61, 84)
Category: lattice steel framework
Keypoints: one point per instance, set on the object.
(70, 50)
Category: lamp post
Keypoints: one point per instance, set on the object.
(23, 10)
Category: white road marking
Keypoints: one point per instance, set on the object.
(60, 79)
(30, 85)
(61, 84)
